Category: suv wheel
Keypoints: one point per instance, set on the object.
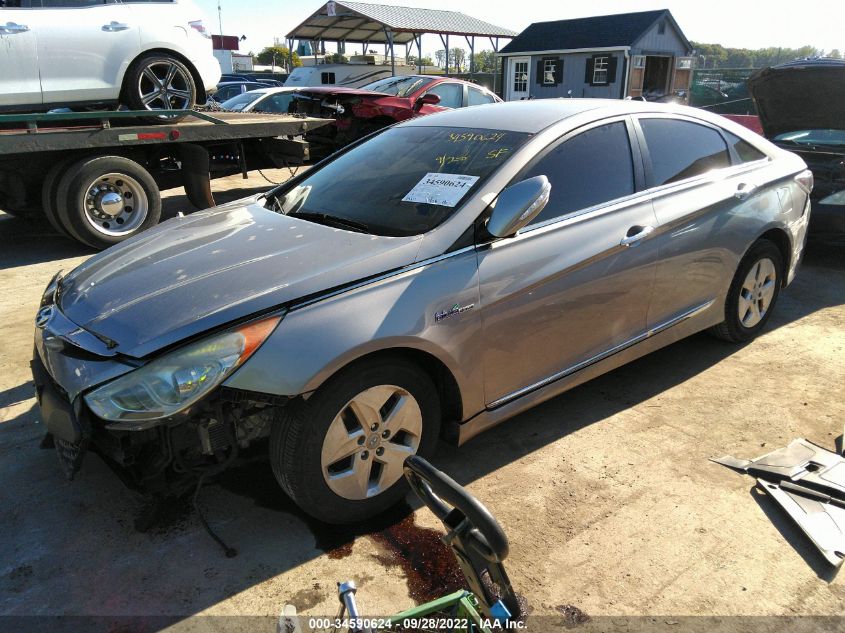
(340, 454)
(753, 293)
(160, 82)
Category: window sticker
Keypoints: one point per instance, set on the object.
(445, 190)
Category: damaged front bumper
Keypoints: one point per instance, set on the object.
(166, 457)
(808, 483)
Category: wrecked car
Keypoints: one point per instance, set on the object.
(353, 316)
(359, 112)
(801, 106)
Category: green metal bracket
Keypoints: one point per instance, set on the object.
(461, 604)
(32, 120)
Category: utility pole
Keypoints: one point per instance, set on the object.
(220, 18)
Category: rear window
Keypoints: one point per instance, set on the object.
(746, 151)
(424, 175)
(681, 150)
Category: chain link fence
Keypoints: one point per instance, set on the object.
(722, 90)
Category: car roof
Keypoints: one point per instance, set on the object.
(272, 90)
(532, 116)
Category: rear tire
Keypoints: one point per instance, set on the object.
(49, 190)
(753, 293)
(159, 81)
(339, 454)
(104, 200)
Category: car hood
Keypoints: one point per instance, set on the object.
(800, 96)
(198, 272)
(346, 92)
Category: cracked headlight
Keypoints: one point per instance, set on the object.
(180, 378)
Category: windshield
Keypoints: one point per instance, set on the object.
(398, 86)
(241, 101)
(813, 137)
(405, 181)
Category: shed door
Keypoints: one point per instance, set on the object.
(518, 78)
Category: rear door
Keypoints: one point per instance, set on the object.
(700, 201)
(84, 48)
(19, 80)
(567, 290)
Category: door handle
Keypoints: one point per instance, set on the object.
(636, 234)
(744, 190)
(113, 26)
(12, 27)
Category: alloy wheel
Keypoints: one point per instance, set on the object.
(368, 441)
(757, 292)
(164, 85)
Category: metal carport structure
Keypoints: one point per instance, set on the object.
(360, 22)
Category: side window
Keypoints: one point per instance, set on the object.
(476, 97)
(680, 149)
(275, 103)
(746, 151)
(451, 95)
(588, 169)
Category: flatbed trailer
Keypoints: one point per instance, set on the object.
(96, 176)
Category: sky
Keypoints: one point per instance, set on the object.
(732, 23)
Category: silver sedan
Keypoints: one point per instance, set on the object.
(432, 281)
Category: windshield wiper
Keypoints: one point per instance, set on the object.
(331, 220)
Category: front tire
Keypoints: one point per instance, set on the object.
(753, 293)
(159, 82)
(339, 454)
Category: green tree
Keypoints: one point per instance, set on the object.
(440, 56)
(457, 57)
(336, 58)
(835, 54)
(485, 62)
(279, 53)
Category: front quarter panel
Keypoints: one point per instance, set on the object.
(398, 311)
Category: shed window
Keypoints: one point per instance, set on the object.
(600, 70)
(327, 78)
(661, 28)
(549, 71)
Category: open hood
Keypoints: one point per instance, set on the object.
(202, 271)
(802, 95)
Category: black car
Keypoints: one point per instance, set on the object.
(801, 106)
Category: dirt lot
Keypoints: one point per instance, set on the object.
(606, 492)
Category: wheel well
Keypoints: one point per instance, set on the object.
(780, 239)
(202, 95)
(451, 403)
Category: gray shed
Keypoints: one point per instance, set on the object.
(610, 56)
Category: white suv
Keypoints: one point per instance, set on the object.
(141, 54)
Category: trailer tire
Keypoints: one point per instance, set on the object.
(49, 190)
(104, 200)
(159, 81)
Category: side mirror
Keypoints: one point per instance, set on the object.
(517, 205)
(426, 99)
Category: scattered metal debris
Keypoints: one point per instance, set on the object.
(808, 482)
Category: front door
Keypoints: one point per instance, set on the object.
(84, 49)
(19, 81)
(518, 78)
(575, 285)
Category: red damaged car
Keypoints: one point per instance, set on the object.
(360, 111)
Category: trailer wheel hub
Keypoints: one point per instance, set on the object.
(109, 203)
(115, 204)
